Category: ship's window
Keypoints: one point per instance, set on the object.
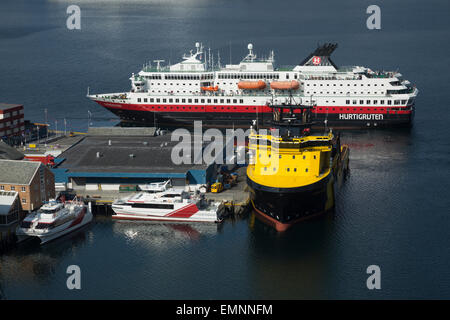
(314, 157)
(295, 169)
(152, 100)
(157, 100)
(222, 100)
(183, 100)
(361, 101)
(280, 156)
(396, 102)
(190, 100)
(288, 169)
(209, 100)
(381, 101)
(164, 100)
(293, 157)
(375, 101)
(234, 100)
(274, 169)
(196, 100)
(139, 99)
(304, 157)
(403, 101)
(145, 99)
(228, 100)
(215, 100)
(306, 170)
(389, 102)
(265, 168)
(202, 100)
(241, 100)
(354, 101)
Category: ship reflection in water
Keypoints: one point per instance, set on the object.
(163, 236)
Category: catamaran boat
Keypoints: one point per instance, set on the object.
(53, 220)
(161, 201)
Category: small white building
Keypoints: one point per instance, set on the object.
(10, 208)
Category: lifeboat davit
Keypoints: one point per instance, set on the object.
(285, 85)
(210, 88)
(252, 85)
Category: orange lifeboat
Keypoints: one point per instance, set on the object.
(210, 88)
(252, 85)
(285, 85)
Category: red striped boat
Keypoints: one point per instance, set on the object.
(170, 204)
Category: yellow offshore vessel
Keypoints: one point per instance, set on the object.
(292, 172)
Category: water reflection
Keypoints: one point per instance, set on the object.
(163, 236)
(291, 264)
(31, 262)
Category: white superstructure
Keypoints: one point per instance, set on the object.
(53, 220)
(200, 88)
(162, 202)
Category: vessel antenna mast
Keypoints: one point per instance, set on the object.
(158, 64)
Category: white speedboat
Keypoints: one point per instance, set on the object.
(53, 220)
(162, 202)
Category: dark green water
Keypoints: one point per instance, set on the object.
(393, 211)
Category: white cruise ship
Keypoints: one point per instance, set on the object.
(198, 88)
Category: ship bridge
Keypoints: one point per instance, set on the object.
(192, 62)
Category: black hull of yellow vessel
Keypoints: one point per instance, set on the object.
(283, 207)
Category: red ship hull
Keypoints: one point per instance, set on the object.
(241, 115)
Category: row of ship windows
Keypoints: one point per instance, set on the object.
(188, 77)
(348, 85)
(190, 100)
(340, 92)
(356, 109)
(252, 76)
(389, 102)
